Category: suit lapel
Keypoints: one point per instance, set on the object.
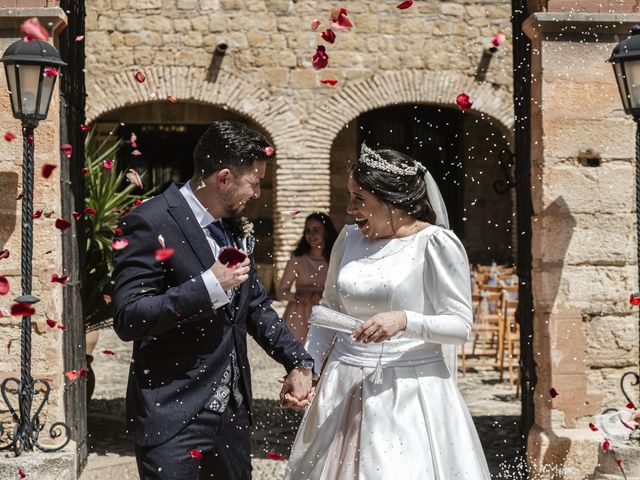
(181, 212)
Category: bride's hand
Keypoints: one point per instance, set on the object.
(380, 327)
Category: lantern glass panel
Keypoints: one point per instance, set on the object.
(12, 83)
(29, 77)
(622, 85)
(45, 98)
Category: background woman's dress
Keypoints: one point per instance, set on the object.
(413, 425)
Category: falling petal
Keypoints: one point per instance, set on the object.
(231, 256)
(593, 427)
(268, 151)
(117, 231)
(107, 164)
(36, 214)
(61, 280)
(50, 72)
(22, 309)
(195, 454)
(84, 128)
(72, 375)
(106, 298)
(320, 59)
(8, 136)
(21, 473)
(172, 99)
(4, 285)
(4, 254)
(52, 323)
(164, 254)
(61, 327)
(605, 445)
(161, 241)
(274, 455)
(133, 139)
(120, 244)
(553, 392)
(328, 36)
(404, 5)
(62, 224)
(329, 82)
(463, 102)
(66, 149)
(76, 215)
(292, 213)
(136, 153)
(631, 405)
(498, 39)
(79, 38)
(315, 24)
(339, 19)
(30, 139)
(47, 169)
(82, 372)
(140, 77)
(134, 178)
(619, 462)
(89, 211)
(137, 202)
(635, 298)
(33, 30)
(108, 352)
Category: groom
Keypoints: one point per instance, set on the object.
(188, 315)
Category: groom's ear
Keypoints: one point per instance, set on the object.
(223, 177)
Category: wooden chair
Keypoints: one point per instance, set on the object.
(487, 329)
(511, 337)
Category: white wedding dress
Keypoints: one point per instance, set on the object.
(413, 425)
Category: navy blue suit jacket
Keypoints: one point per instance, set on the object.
(181, 344)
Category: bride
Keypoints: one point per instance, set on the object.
(387, 405)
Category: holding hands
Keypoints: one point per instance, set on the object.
(380, 327)
(297, 390)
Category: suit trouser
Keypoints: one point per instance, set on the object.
(223, 439)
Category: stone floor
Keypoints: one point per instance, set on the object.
(493, 404)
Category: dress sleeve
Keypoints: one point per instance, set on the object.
(319, 339)
(448, 288)
(288, 279)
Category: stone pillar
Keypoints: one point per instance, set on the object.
(584, 241)
(47, 342)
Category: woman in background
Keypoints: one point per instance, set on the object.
(307, 270)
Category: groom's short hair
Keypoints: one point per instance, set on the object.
(231, 145)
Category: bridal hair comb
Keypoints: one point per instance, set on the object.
(374, 160)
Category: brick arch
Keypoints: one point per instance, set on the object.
(119, 90)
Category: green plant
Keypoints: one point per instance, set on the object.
(111, 196)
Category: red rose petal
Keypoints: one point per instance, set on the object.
(137, 202)
(631, 405)
(619, 462)
(108, 352)
(33, 30)
(89, 211)
(140, 77)
(172, 99)
(22, 309)
(133, 139)
(62, 224)
(339, 19)
(463, 102)
(498, 39)
(76, 215)
(593, 427)
(8, 136)
(82, 372)
(120, 244)
(47, 169)
(320, 59)
(231, 256)
(61, 327)
(605, 445)
(329, 82)
(164, 254)
(66, 149)
(315, 24)
(117, 231)
(21, 473)
(107, 164)
(553, 392)
(61, 280)
(274, 455)
(195, 454)
(268, 151)
(4, 254)
(72, 375)
(328, 36)
(36, 214)
(404, 5)
(85, 128)
(4, 285)
(52, 323)
(50, 72)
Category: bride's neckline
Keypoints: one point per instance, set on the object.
(428, 228)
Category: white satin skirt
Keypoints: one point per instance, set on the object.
(413, 426)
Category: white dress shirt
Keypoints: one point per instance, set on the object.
(218, 295)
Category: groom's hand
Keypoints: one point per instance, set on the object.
(231, 277)
(297, 390)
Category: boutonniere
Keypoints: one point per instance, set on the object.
(248, 240)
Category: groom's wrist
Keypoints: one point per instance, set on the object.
(305, 365)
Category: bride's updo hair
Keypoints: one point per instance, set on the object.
(404, 192)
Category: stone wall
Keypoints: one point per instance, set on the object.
(46, 355)
(428, 53)
(584, 237)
